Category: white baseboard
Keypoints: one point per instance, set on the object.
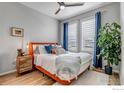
(8, 72)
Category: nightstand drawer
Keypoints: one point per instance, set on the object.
(25, 65)
(24, 58)
(25, 69)
(26, 62)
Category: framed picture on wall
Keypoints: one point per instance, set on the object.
(17, 32)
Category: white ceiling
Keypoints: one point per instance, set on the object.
(49, 8)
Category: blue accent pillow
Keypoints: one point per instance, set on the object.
(49, 48)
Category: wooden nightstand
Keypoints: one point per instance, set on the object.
(23, 64)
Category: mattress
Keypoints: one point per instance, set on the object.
(47, 61)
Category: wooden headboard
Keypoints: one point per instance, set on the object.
(31, 51)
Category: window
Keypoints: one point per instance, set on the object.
(81, 36)
(72, 36)
(87, 34)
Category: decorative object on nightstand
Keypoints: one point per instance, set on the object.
(19, 52)
(23, 64)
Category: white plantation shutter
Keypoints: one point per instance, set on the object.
(72, 36)
(88, 34)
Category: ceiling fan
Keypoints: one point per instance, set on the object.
(62, 6)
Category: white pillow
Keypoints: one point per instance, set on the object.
(39, 49)
(42, 49)
(56, 46)
(60, 50)
(36, 49)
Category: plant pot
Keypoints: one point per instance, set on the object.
(108, 70)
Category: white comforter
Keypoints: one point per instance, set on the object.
(48, 61)
(67, 66)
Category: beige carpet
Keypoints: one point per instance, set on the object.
(90, 78)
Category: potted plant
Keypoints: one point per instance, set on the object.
(109, 41)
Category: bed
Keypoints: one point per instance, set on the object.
(46, 63)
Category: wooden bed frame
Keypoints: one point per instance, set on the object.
(53, 76)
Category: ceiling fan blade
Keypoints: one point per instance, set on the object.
(71, 5)
(57, 11)
(61, 3)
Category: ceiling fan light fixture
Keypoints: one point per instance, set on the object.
(62, 7)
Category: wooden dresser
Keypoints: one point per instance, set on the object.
(23, 64)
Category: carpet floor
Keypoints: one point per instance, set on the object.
(90, 78)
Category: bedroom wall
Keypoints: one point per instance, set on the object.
(122, 56)
(110, 13)
(37, 27)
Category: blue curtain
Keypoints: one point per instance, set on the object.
(65, 36)
(97, 62)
